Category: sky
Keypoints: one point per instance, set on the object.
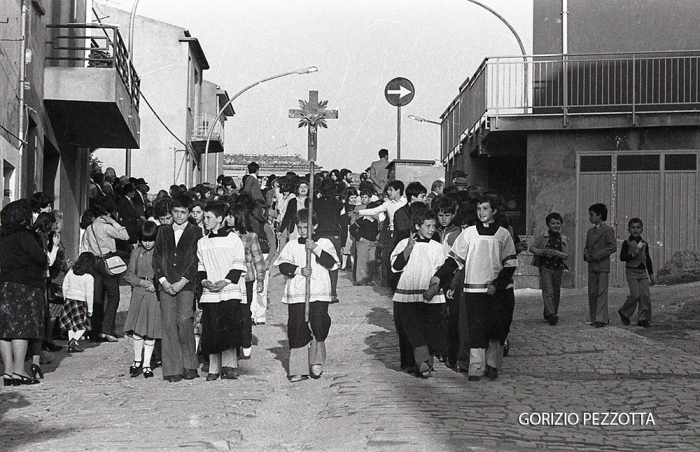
(358, 47)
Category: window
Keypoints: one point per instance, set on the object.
(638, 162)
(596, 163)
(681, 162)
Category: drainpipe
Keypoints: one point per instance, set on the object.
(22, 79)
(564, 58)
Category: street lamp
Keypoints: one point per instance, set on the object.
(419, 119)
(303, 71)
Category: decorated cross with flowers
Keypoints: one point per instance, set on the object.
(311, 115)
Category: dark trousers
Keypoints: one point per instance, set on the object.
(247, 334)
(452, 326)
(104, 313)
(177, 323)
(420, 332)
(298, 331)
(490, 317)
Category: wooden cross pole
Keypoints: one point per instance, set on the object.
(311, 115)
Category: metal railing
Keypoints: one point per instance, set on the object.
(93, 45)
(567, 85)
(201, 126)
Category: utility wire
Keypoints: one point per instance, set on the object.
(161, 121)
(12, 134)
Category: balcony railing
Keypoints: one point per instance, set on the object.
(93, 45)
(202, 124)
(568, 85)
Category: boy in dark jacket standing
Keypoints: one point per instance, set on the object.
(175, 267)
(600, 244)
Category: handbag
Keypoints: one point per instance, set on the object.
(114, 265)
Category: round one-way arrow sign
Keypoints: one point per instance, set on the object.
(399, 92)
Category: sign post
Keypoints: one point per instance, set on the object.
(399, 92)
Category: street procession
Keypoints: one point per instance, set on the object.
(408, 225)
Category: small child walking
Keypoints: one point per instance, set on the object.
(600, 244)
(640, 273)
(307, 354)
(550, 250)
(143, 321)
(78, 293)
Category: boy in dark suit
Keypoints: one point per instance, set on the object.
(600, 244)
(175, 267)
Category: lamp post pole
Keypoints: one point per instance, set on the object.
(307, 70)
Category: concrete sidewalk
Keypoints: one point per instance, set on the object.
(364, 402)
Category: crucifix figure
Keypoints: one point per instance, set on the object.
(311, 115)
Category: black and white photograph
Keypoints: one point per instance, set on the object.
(360, 225)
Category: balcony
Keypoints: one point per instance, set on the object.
(91, 90)
(200, 132)
(511, 95)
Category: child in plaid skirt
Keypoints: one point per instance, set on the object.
(78, 288)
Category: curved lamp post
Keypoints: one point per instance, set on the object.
(307, 70)
(419, 119)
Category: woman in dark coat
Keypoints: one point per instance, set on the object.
(22, 284)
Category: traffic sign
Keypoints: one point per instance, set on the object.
(399, 92)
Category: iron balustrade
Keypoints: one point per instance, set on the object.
(568, 85)
(202, 124)
(93, 45)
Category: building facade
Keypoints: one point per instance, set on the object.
(184, 105)
(68, 87)
(610, 114)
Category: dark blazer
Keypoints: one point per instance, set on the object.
(600, 244)
(140, 203)
(128, 217)
(175, 262)
(23, 259)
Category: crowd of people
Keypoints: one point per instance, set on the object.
(198, 262)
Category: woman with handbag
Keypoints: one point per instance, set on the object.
(22, 285)
(100, 239)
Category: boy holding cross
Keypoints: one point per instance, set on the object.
(307, 354)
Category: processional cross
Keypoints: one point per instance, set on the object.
(312, 115)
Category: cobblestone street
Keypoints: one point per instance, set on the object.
(364, 402)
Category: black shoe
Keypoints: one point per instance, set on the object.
(36, 372)
(473, 378)
(212, 377)
(553, 319)
(190, 374)
(599, 324)
(22, 380)
(229, 373)
(506, 347)
(173, 378)
(73, 347)
(147, 372)
(135, 369)
(644, 323)
(7, 380)
(625, 320)
(51, 347)
(491, 373)
(108, 338)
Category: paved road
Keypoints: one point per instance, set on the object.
(364, 402)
